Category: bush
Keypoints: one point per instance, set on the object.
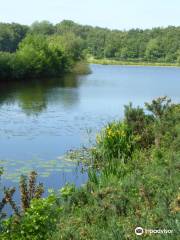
(40, 58)
(38, 222)
(116, 141)
(140, 124)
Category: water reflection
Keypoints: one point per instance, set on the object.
(33, 95)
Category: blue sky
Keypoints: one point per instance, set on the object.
(120, 14)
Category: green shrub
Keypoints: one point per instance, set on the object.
(141, 125)
(116, 141)
(38, 222)
(40, 58)
(67, 191)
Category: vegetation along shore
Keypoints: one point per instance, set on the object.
(107, 61)
(133, 171)
(45, 49)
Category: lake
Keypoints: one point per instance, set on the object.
(41, 120)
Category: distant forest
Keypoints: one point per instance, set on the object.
(154, 45)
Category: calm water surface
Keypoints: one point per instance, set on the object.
(41, 120)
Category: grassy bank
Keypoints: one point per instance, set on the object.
(133, 181)
(106, 61)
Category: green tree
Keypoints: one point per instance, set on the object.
(44, 27)
(154, 50)
(69, 43)
(11, 35)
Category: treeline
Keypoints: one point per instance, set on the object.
(157, 44)
(44, 46)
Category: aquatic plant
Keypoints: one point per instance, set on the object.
(115, 141)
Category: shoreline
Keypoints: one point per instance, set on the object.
(126, 63)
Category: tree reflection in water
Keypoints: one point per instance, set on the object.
(34, 95)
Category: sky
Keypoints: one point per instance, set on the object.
(114, 14)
